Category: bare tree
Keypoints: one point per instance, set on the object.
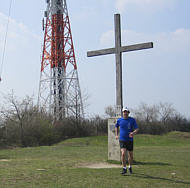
(166, 112)
(18, 113)
(147, 113)
(162, 112)
(110, 111)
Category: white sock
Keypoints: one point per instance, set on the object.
(125, 168)
(129, 166)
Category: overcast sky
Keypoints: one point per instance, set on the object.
(161, 74)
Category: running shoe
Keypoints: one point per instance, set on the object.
(124, 171)
(130, 170)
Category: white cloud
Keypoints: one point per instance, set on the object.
(18, 33)
(21, 64)
(174, 42)
(153, 5)
(107, 39)
(177, 41)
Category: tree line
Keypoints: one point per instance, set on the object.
(156, 119)
(23, 124)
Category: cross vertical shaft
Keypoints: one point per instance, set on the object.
(118, 57)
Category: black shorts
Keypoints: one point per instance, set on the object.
(126, 144)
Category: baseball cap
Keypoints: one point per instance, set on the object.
(125, 109)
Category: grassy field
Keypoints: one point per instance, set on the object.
(160, 161)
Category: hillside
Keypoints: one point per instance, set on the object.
(160, 161)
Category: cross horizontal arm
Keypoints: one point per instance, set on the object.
(134, 47)
(101, 52)
(129, 48)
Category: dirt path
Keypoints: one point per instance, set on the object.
(99, 165)
(4, 160)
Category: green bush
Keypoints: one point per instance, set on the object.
(159, 128)
(39, 130)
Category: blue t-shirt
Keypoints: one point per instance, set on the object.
(126, 127)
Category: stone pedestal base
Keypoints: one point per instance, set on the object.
(113, 144)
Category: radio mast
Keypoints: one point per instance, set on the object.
(59, 89)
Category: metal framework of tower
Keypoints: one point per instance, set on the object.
(59, 89)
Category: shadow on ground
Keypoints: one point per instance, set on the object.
(173, 180)
(151, 163)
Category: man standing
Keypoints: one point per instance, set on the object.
(128, 128)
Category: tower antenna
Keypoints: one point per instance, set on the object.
(59, 89)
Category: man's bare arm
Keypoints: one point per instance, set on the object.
(134, 132)
(116, 132)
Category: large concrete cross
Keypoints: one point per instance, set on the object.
(118, 56)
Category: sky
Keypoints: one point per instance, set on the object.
(151, 76)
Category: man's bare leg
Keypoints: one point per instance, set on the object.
(123, 157)
(130, 160)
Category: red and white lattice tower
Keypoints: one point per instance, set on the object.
(59, 89)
